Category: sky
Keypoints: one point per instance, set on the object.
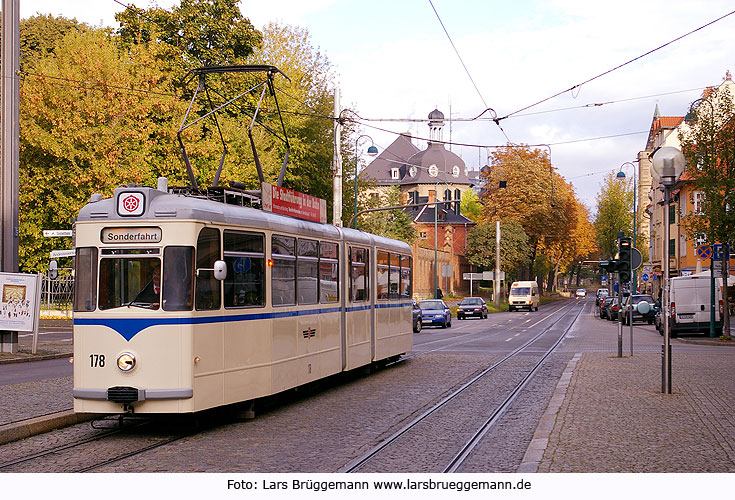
(393, 60)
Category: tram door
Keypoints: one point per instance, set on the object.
(359, 314)
(208, 337)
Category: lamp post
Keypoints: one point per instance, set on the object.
(668, 164)
(692, 115)
(372, 151)
(621, 176)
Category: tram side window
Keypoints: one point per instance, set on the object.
(208, 295)
(85, 280)
(307, 271)
(328, 273)
(178, 278)
(406, 275)
(359, 278)
(283, 274)
(394, 282)
(245, 258)
(381, 285)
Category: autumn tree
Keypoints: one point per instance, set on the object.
(470, 205)
(708, 143)
(92, 118)
(531, 194)
(614, 213)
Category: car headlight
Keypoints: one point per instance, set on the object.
(126, 361)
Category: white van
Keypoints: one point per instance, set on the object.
(523, 294)
(689, 301)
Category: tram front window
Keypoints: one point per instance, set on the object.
(133, 281)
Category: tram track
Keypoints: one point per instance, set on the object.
(89, 453)
(361, 463)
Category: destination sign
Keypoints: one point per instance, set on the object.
(131, 235)
(280, 200)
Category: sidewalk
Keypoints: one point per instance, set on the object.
(608, 414)
(47, 349)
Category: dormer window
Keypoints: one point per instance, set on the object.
(455, 171)
(394, 174)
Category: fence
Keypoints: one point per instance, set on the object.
(57, 294)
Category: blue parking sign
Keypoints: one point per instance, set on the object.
(644, 277)
(717, 251)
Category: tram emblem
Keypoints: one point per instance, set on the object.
(309, 332)
(130, 204)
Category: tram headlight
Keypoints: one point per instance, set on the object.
(126, 361)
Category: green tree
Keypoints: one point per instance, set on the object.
(471, 206)
(514, 248)
(708, 143)
(394, 224)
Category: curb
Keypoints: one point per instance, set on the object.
(38, 425)
(35, 358)
(540, 440)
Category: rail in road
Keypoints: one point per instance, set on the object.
(455, 400)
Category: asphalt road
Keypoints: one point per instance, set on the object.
(18, 373)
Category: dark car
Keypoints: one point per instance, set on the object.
(612, 305)
(603, 305)
(472, 306)
(416, 317)
(435, 312)
(600, 295)
(637, 315)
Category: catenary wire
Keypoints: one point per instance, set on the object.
(615, 68)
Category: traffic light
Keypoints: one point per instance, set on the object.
(609, 266)
(624, 256)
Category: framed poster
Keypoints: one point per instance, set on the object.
(19, 301)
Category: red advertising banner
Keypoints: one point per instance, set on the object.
(280, 200)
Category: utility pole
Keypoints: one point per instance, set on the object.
(496, 281)
(10, 149)
(337, 165)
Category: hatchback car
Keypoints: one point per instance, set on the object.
(416, 311)
(637, 315)
(600, 295)
(612, 305)
(435, 312)
(603, 305)
(472, 306)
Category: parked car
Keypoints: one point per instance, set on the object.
(611, 308)
(600, 295)
(435, 312)
(580, 293)
(635, 300)
(416, 317)
(689, 304)
(472, 306)
(603, 305)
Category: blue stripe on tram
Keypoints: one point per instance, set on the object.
(130, 327)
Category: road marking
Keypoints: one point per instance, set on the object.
(508, 340)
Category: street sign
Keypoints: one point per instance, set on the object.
(717, 251)
(644, 277)
(490, 275)
(55, 254)
(447, 271)
(57, 233)
(717, 267)
(472, 276)
(636, 259)
(704, 251)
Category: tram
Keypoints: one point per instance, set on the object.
(185, 302)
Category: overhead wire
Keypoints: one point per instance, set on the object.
(616, 67)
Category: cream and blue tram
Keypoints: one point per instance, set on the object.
(183, 303)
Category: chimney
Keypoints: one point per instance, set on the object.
(404, 198)
(432, 195)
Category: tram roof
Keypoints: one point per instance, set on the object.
(160, 206)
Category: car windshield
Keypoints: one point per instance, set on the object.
(520, 291)
(642, 298)
(470, 302)
(431, 304)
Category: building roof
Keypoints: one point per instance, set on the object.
(661, 123)
(393, 156)
(425, 214)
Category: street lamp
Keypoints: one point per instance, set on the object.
(668, 164)
(621, 177)
(372, 151)
(692, 116)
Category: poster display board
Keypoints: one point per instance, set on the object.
(20, 301)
